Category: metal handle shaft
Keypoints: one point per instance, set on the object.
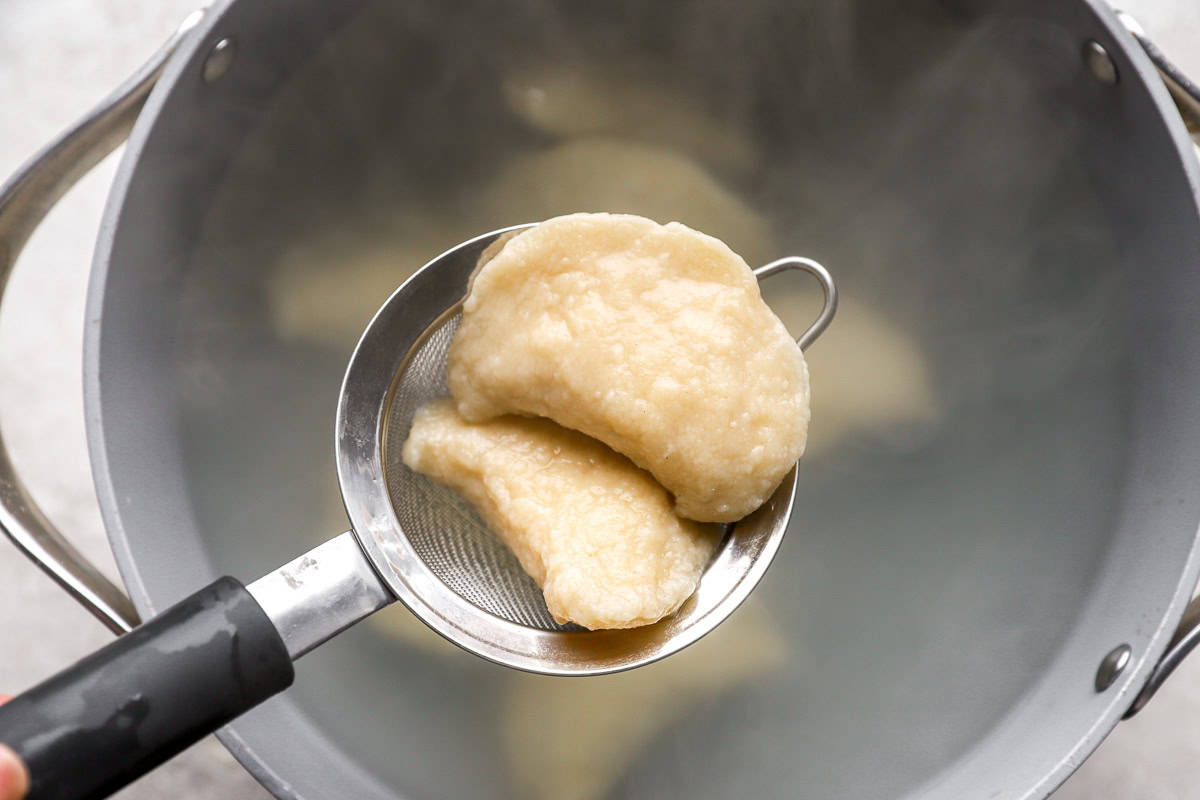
(315, 597)
(24, 201)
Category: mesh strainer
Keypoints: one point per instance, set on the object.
(435, 553)
(93, 727)
(228, 647)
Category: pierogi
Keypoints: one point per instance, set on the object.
(629, 99)
(596, 533)
(653, 339)
(872, 375)
(325, 289)
(604, 173)
(570, 739)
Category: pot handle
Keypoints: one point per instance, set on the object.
(1186, 637)
(112, 717)
(1186, 94)
(1184, 91)
(24, 201)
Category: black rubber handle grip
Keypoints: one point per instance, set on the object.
(127, 708)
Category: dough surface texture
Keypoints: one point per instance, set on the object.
(596, 533)
(653, 339)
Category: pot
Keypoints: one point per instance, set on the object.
(971, 595)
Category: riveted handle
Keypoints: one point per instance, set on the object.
(1186, 637)
(24, 201)
(1184, 91)
(130, 706)
(1186, 94)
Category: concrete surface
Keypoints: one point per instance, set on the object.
(59, 56)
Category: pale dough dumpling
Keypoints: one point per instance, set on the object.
(572, 739)
(610, 174)
(324, 290)
(626, 99)
(594, 531)
(653, 339)
(870, 374)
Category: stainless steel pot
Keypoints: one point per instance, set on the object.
(967, 612)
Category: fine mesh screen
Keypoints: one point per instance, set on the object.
(444, 530)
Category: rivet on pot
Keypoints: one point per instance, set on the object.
(1112, 665)
(219, 60)
(1100, 63)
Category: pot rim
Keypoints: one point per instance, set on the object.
(186, 59)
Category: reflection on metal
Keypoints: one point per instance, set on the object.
(389, 377)
(1100, 63)
(24, 201)
(1112, 665)
(220, 59)
(318, 595)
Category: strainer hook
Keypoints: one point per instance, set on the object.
(822, 275)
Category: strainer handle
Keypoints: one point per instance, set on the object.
(24, 201)
(822, 275)
(139, 700)
(123, 710)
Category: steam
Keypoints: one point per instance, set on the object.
(933, 160)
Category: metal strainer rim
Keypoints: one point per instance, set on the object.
(360, 436)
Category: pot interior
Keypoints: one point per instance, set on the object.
(971, 424)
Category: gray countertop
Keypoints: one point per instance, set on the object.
(59, 56)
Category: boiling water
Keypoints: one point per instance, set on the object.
(948, 516)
